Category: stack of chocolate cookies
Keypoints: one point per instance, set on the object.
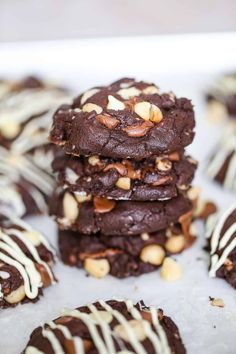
(122, 203)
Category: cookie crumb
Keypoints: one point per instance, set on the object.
(216, 302)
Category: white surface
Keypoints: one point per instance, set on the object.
(44, 19)
(184, 64)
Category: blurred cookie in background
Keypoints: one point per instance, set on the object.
(221, 235)
(26, 109)
(221, 98)
(222, 164)
(26, 259)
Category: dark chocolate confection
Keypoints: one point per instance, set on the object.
(222, 165)
(221, 232)
(121, 256)
(24, 272)
(116, 217)
(223, 93)
(127, 119)
(26, 109)
(150, 179)
(24, 186)
(114, 326)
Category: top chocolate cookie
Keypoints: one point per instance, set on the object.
(127, 119)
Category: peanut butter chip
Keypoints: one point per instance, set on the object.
(137, 327)
(153, 254)
(151, 90)
(10, 129)
(137, 130)
(70, 207)
(103, 205)
(175, 244)
(16, 295)
(145, 236)
(148, 111)
(171, 270)
(156, 115)
(108, 121)
(124, 183)
(93, 160)
(127, 93)
(217, 302)
(82, 197)
(115, 104)
(104, 316)
(89, 107)
(98, 268)
(163, 164)
(88, 94)
(142, 109)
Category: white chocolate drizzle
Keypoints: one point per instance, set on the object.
(15, 167)
(12, 254)
(33, 350)
(26, 118)
(105, 342)
(224, 86)
(10, 198)
(18, 107)
(225, 243)
(226, 148)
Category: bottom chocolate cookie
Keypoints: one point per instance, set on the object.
(108, 327)
(121, 256)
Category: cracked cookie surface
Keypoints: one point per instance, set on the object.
(127, 119)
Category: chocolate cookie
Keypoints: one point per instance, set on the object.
(150, 179)
(26, 259)
(127, 119)
(115, 326)
(221, 97)
(121, 256)
(222, 166)
(117, 217)
(24, 186)
(221, 232)
(26, 112)
(26, 109)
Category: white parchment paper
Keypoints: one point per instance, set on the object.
(184, 65)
